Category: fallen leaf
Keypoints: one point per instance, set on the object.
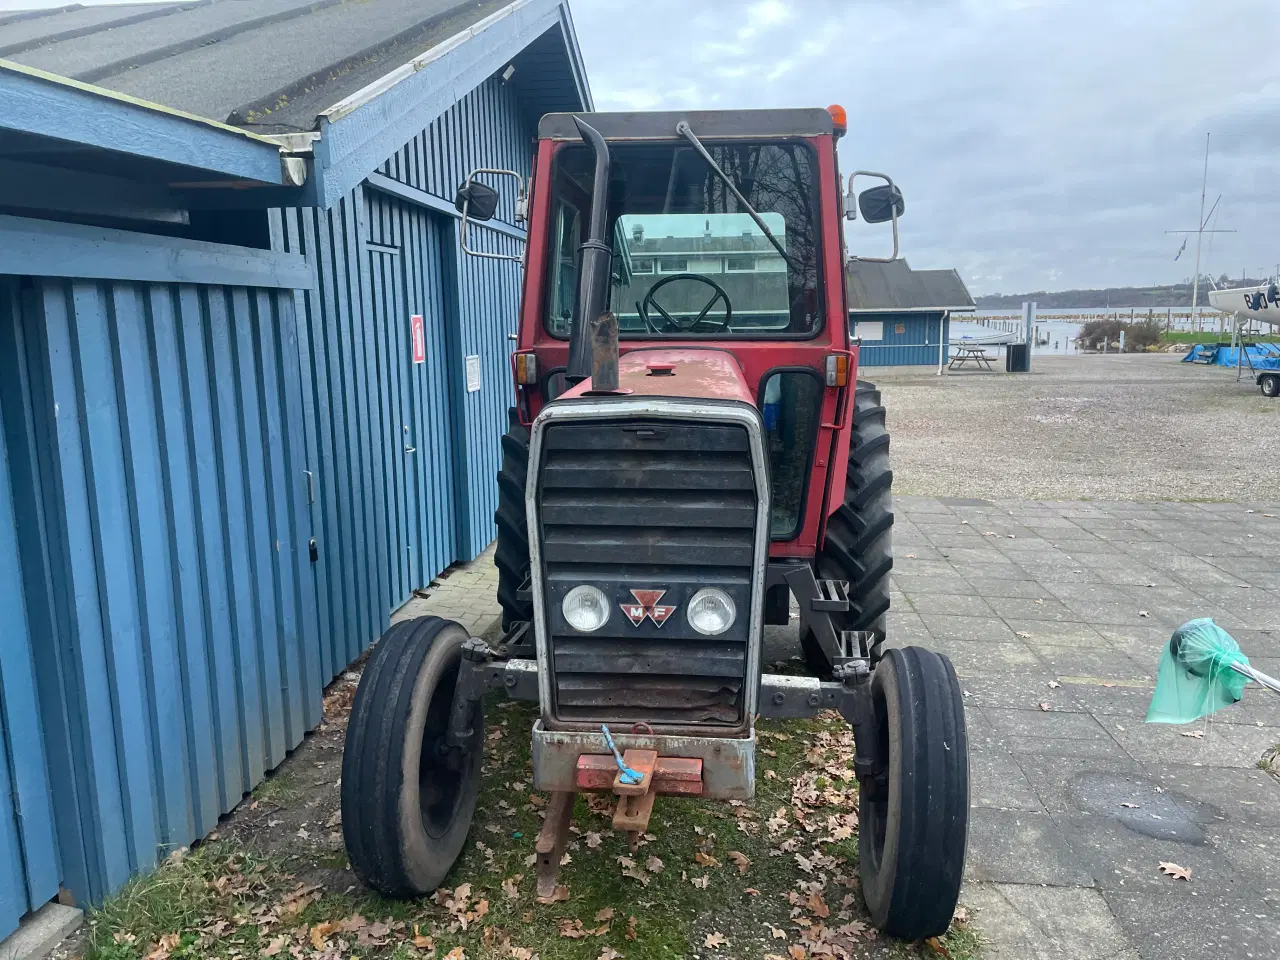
(162, 948)
(705, 859)
(274, 947)
(911, 556)
(1196, 734)
(1024, 634)
(817, 906)
(751, 892)
(457, 953)
(1128, 806)
(608, 953)
(796, 952)
(572, 929)
(715, 941)
(593, 840)
(777, 932)
(423, 942)
(701, 882)
(961, 915)
(1143, 613)
(560, 894)
(631, 928)
(654, 865)
(1045, 707)
(740, 860)
(320, 931)
(354, 923)
(938, 947)
(1054, 684)
(1175, 871)
(606, 913)
(510, 886)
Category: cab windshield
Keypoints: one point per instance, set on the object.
(688, 261)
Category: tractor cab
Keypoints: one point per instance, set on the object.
(690, 452)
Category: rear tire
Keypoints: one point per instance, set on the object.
(1270, 385)
(912, 837)
(859, 543)
(512, 552)
(407, 797)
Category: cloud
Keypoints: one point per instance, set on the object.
(1040, 143)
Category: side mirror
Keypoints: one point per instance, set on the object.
(881, 204)
(878, 205)
(478, 201)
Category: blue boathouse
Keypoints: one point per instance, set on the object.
(903, 316)
(250, 389)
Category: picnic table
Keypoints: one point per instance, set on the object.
(970, 353)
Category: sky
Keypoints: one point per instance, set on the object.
(1040, 144)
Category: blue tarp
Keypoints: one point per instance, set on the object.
(1262, 356)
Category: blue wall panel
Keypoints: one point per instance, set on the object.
(394, 507)
(486, 128)
(487, 308)
(916, 345)
(28, 855)
(159, 516)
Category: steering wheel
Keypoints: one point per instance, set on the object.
(686, 326)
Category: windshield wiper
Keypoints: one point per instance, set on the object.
(684, 130)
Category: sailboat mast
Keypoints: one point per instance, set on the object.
(1195, 284)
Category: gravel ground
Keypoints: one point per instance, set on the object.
(1125, 427)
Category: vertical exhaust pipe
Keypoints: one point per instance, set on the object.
(585, 343)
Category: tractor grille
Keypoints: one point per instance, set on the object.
(662, 505)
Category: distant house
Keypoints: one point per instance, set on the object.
(902, 315)
(251, 389)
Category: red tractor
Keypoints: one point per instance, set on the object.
(689, 451)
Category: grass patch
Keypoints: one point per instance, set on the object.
(1210, 336)
(772, 877)
(278, 789)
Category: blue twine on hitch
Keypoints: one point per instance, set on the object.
(628, 775)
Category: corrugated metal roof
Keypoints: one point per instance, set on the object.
(268, 65)
(895, 286)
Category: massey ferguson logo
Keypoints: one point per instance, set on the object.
(647, 605)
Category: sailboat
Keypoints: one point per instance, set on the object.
(1261, 302)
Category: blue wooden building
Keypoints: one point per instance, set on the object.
(903, 316)
(221, 467)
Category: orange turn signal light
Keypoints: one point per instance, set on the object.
(838, 370)
(526, 368)
(839, 119)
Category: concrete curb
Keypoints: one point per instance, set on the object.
(41, 932)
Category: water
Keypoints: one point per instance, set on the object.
(1060, 326)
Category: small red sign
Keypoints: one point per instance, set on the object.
(419, 337)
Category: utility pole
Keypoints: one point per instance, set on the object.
(1201, 231)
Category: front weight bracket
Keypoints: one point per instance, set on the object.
(870, 764)
(472, 684)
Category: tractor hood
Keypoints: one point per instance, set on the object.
(678, 372)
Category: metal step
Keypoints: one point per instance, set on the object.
(833, 597)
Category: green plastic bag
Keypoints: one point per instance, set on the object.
(1195, 677)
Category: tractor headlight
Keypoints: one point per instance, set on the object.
(586, 608)
(711, 611)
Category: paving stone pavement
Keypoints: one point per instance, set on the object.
(466, 592)
(1083, 595)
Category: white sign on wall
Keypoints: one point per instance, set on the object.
(869, 329)
(473, 374)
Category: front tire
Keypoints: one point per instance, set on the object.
(859, 544)
(512, 552)
(1270, 385)
(914, 826)
(408, 797)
